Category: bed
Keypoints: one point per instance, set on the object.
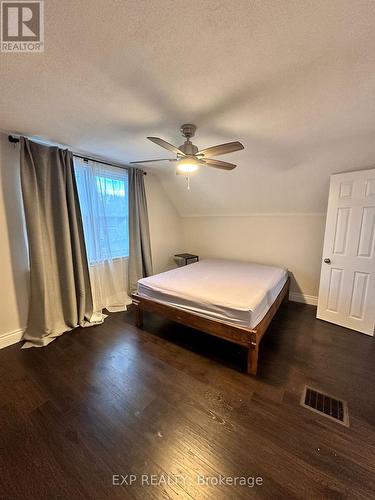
(229, 299)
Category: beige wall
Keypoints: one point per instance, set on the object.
(294, 241)
(165, 226)
(13, 253)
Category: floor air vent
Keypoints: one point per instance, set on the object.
(325, 405)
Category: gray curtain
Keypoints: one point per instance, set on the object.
(60, 294)
(140, 261)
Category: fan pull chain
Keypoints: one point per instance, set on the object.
(188, 182)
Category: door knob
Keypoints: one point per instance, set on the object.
(327, 261)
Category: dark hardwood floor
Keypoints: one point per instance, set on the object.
(114, 400)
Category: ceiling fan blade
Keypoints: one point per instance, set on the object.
(221, 149)
(149, 161)
(219, 164)
(166, 145)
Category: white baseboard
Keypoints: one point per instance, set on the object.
(312, 300)
(7, 339)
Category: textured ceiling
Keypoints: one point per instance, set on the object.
(293, 80)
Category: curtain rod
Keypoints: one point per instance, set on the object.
(15, 140)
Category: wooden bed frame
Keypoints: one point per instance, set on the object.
(247, 337)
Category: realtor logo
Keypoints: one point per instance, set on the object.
(22, 26)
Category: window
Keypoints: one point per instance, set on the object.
(103, 197)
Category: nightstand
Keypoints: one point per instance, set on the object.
(187, 257)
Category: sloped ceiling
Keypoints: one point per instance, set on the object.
(293, 80)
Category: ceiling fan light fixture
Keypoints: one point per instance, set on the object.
(187, 165)
(189, 158)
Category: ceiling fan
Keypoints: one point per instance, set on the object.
(189, 158)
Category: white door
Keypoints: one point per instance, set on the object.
(347, 280)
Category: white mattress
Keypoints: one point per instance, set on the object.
(238, 293)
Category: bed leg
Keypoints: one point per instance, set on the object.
(252, 359)
(286, 296)
(138, 317)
